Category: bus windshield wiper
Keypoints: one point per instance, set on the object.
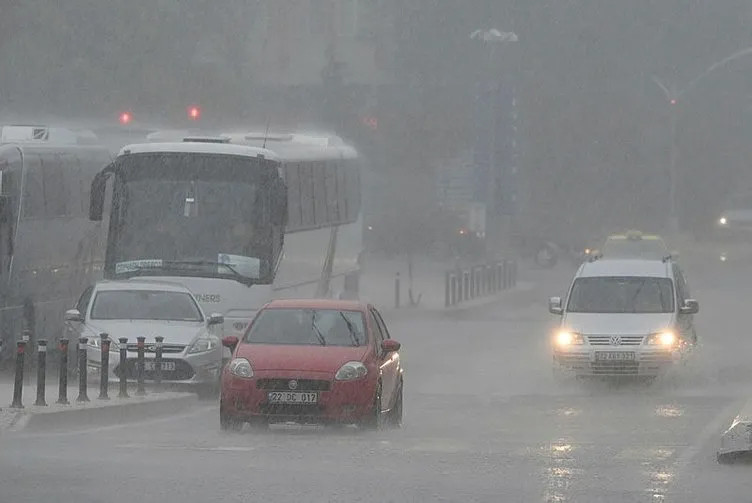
(350, 329)
(236, 275)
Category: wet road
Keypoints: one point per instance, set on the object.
(484, 421)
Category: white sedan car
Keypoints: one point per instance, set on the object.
(191, 350)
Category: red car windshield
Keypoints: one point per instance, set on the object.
(320, 327)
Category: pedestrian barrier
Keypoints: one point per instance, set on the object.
(476, 281)
(104, 369)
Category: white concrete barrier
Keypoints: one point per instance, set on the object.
(736, 441)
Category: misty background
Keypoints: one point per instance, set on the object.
(399, 78)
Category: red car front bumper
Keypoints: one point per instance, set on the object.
(336, 401)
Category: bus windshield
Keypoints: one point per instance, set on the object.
(196, 215)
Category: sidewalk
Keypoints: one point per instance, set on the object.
(84, 414)
(428, 286)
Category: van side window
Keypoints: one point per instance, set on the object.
(33, 188)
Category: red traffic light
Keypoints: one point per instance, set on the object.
(673, 101)
(194, 112)
(125, 118)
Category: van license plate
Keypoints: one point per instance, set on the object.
(615, 355)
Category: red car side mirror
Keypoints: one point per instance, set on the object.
(230, 342)
(390, 345)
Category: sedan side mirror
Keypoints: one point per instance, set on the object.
(691, 306)
(215, 319)
(554, 306)
(230, 342)
(74, 315)
(390, 346)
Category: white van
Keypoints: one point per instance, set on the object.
(624, 317)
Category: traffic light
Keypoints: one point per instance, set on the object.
(194, 112)
(125, 118)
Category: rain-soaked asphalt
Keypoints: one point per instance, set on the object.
(484, 421)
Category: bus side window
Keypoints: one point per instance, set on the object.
(307, 195)
(332, 203)
(353, 193)
(342, 192)
(33, 189)
(53, 180)
(319, 193)
(294, 203)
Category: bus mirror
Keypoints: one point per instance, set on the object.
(96, 201)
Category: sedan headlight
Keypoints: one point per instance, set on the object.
(566, 338)
(351, 371)
(203, 344)
(666, 339)
(241, 367)
(96, 343)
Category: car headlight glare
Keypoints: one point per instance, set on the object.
(566, 338)
(241, 367)
(203, 344)
(351, 371)
(723, 221)
(666, 339)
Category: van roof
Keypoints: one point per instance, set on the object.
(625, 267)
(197, 148)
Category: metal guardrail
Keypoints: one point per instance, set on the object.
(483, 280)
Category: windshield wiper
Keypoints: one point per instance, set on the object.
(236, 275)
(316, 329)
(350, 329)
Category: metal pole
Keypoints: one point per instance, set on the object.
(123, 367)
(158, 362)
(63, 378)
(41, 372)
(673, 222)
(18, 383)
(397, 290)
(82, 370)
(104, 369)
(140, 390)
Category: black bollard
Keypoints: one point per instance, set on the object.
(63, 380)
(41, 372)
(123, 366)
(104, 368)
(140, 366)
(18, 384)
(158, 362)
(82, 369)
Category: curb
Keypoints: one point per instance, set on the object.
(102, 414)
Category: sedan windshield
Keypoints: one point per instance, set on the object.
(324, 327)
(622, 295)
(145, 305)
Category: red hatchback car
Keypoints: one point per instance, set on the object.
(323, 361)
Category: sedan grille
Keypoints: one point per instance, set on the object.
(302, 384)
(624, 340)
(151, 348)
(183, 371)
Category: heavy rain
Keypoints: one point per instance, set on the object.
(375, 250)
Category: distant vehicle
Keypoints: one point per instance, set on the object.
(313, 361)
(735, 219)
(238, 224)
(624, 317)
(634, 244)
(49, 249)
(192, 350)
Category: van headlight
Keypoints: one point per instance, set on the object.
(203, 344)
(722, 221)
(351, 371)
(666, 339)
(566, 338)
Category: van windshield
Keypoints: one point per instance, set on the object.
(622, 295)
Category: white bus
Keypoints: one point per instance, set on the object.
(49, 249)
(238, 224)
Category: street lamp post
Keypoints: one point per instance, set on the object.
(672, 96)
(491, 40)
